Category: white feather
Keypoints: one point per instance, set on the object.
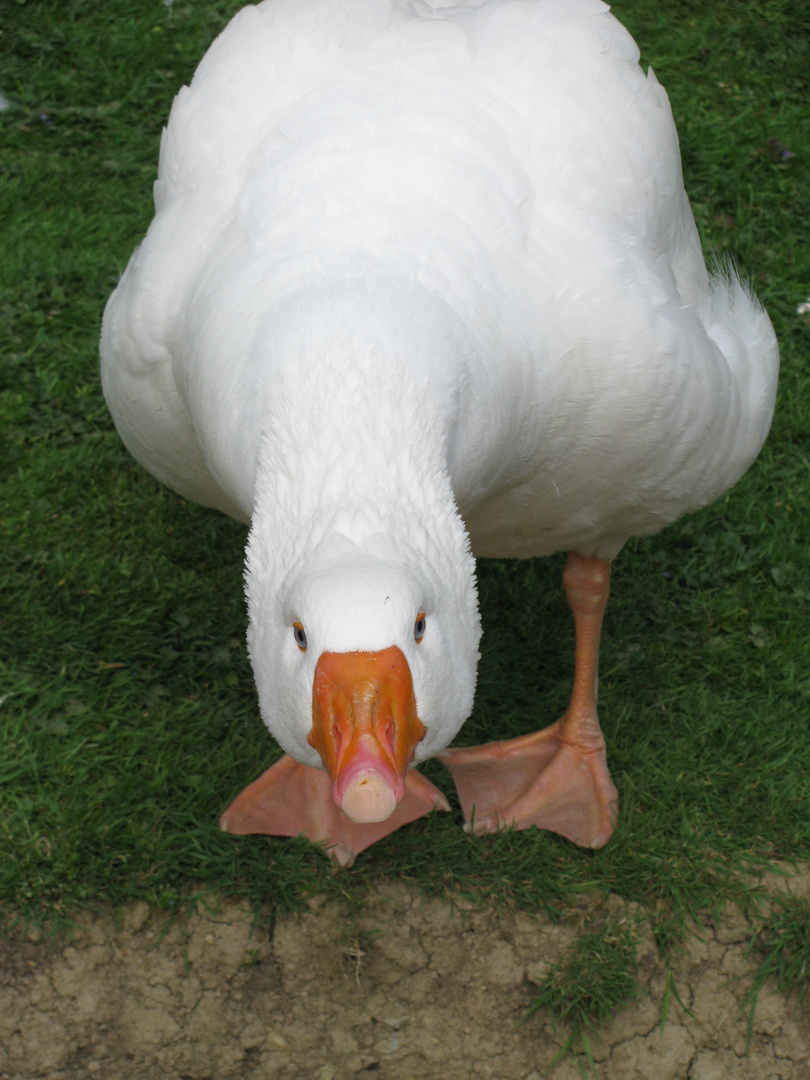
(420, 272)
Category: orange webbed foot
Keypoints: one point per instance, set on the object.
(556, 779)
(538, 779)
(291, 799)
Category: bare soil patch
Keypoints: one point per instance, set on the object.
(409, 988)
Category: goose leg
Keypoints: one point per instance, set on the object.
(556, 779)
(291, 799)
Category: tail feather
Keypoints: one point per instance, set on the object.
(739, 326)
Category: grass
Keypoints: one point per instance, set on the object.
(129, 716)
(783, 942)
(584, 988)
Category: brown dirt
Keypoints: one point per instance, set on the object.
(408, 988)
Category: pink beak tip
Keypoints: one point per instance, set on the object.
(368, 797)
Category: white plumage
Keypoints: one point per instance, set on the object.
(420, 272)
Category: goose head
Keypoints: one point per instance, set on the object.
(365, 658)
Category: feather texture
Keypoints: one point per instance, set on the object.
(424, 275)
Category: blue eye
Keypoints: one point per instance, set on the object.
(419, 627)
(300, 636)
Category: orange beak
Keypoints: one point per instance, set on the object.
(365, 727)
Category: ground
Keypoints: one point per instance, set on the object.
(407, 987)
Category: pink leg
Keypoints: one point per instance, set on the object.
(291, 799)
(558, 778)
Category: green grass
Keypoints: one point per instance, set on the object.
(591, 980)
(129, 716)
(783, 942)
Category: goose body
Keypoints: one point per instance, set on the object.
(423, 283)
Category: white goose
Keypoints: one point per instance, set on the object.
(423, 282)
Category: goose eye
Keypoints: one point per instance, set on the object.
(300, 636)
(419, 627)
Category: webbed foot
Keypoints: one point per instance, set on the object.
(291, 799)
